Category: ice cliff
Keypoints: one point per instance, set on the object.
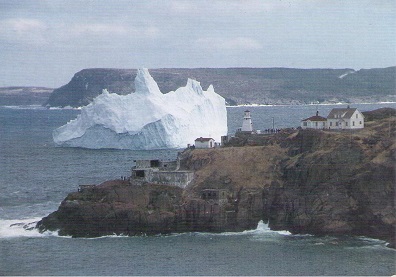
(147, 119)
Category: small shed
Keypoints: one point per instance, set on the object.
(204, 143)
(217, 195)
(314, 122)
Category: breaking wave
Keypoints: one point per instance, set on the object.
(261, 229)
(14, 228)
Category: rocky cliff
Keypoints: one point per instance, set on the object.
(242, 85)
(306, 181)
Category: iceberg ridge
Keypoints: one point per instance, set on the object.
(147, 119)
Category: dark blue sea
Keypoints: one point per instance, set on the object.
(35, 176)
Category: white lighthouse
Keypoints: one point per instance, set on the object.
(247, 125)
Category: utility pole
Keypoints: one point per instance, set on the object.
(389, 123)
(273, 124)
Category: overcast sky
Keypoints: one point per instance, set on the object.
(44, 42)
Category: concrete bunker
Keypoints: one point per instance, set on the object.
(161, 172)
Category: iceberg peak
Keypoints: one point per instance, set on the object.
(145, 84)
(194, 85)
(210, 89)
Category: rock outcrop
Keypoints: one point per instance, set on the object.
(306, 181)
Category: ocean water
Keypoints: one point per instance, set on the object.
(35, 176)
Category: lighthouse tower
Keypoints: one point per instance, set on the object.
(247, 125)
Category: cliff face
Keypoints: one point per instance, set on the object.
(116, 207)
(317, 182)
(89, 83)
(309, 181)
(241, 85)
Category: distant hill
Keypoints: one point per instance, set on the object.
(242, 85)
(10, 96)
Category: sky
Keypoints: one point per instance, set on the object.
(45, 42)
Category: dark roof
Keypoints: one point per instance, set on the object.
(315, 118)
(201, 139)
(341, 113)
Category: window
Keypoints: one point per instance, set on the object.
(346, 123)
(316, 124)
(139, 173)
(356, 115)
(353, 123)
(331, 123)
(336, 123)
(360, 122)
(305, 123)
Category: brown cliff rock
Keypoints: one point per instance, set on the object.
(307, 181)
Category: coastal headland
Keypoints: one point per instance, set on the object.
(305, 181)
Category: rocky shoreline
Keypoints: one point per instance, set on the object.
(303, 181)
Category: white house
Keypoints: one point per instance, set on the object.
(341, 118)
(204, 143)
(314, 122)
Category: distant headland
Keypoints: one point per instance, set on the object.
(239, 86)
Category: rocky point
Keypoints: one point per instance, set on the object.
(304, 181)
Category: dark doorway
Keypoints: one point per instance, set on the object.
(139, 173)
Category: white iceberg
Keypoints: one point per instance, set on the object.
(147, 119)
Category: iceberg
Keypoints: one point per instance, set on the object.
(147, 119)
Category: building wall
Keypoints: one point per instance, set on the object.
(218, 195)
(313, 124)
(169, 165)
(247, 125)
(156, 176)
(177, 178)
(163, 165)
(204, 144)
(355, 122)
(142, 163)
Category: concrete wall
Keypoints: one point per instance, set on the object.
(163, 165)
(142, 163)
(177, 178)
(154, 175)
(169, 165)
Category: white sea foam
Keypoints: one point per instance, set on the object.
(25, 107)
(311, 104)
(65, 108)
(13, 228)
(261, 229)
